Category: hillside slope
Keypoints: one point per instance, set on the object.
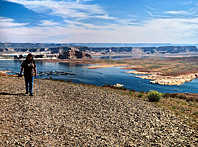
(66, 114)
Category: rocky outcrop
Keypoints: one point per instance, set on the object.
(74, 53)
(169, 80)
(148, 50)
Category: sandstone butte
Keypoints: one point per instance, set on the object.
(158, 78)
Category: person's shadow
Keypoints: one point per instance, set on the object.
(5, 93)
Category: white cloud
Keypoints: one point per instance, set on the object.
(158, 29)
(188, 3)
(178, 12)
(65, 9)
(48, 23)
(149, 13)
(9, 23)
(152, 31)
(81, 1)
(150, 8)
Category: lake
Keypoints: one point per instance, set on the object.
(99, 77)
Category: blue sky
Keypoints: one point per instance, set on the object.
(99, 21)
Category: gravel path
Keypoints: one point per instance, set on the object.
(65, 114)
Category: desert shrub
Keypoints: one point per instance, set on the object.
(124, 88)
(173, 95)
(190, 99)
(132, 90)
(140, 94)
(167, 95)
(59, 80)
(154, 96)
(107, 85)
(181, 97)
(69, 80)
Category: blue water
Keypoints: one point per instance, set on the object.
(101, 76)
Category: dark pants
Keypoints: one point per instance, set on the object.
(29, 83)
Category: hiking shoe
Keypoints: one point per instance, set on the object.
(31, 94)
(26, 93)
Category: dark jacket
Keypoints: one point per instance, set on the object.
(29, 68)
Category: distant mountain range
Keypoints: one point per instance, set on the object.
(104, 48)
(129, 44)
(102, 45)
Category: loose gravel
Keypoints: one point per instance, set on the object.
(66, 114)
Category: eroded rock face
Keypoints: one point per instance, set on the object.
(170, 80)
(74, 53)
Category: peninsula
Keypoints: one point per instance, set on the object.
(158, 78)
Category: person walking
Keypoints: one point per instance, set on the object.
(30, 71)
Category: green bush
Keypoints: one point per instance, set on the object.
(132, 90)
(140, 94)
(154, 96)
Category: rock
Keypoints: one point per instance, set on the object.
(166, 80)
(74, 53)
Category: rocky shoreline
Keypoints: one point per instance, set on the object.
(67, 114)
(158, 78)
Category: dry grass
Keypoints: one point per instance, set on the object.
(184, 105)
(183, 108)
(168, 66)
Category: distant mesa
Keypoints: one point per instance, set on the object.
(71, 51)
(60, 53)
(74, 53)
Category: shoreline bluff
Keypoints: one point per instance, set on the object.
(68, 114)
(160, 79)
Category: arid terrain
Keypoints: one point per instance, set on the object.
(67, 114)
(171, 66)
(163, 71)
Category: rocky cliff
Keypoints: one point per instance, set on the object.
(61, 48)
(74, 53)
